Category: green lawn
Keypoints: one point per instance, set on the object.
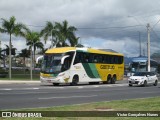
(148, 104)
(22, 75)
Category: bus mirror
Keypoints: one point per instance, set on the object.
(63, 58)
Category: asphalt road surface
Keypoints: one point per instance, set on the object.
(16, 96)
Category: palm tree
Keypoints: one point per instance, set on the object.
(64, 32)
(3, 56)
(12, 50)
(12, 28)
(24, 53)
(33, 40)
(74, 42)
(49, 30)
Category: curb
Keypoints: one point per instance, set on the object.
(18, 82)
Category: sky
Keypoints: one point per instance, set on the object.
(103, 24)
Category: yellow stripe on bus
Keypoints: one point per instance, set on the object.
(60, 50)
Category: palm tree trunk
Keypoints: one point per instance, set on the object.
(10, 62)
(24, 65)
(34, 49)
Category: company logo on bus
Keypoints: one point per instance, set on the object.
(107, 67)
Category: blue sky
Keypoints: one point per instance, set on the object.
(107, 24)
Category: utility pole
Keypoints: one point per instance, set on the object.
(31, 64)
(52, 38)
(10, 59)
(148, 46)
(140, 53)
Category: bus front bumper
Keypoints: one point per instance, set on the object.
(51, 80)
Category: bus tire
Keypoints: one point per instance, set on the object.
(75, 80)
(113, 80)
(109, 79)
(105, 82)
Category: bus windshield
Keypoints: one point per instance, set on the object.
(52, 63)
(138, 67)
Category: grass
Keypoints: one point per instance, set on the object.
(22, 77)
(148, 104)
(19, 74)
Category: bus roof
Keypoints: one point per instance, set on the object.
(141, 59)
(90, 50)
(60, 50)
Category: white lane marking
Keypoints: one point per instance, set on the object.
(96, 86)
(23, 93)
(6, 89)
(29, 89)
(80, 87)
(36, 88)
(66, 97)
(9, 89)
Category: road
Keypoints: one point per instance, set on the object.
(16, 96)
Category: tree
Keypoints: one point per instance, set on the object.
(49, 30)
(12, 50)
(64, 33)
(33, 40)
(12, 28)
(3, 56)
(24, 53)
(74, 42)
(59, 33)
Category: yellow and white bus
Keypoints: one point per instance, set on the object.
(77, 65)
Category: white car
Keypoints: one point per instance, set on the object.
(143, 79)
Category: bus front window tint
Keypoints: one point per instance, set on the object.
(52, 63)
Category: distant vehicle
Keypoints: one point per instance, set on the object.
(143, 79)
(140, 64)
(76, 65)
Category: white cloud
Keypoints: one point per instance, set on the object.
(90, 14)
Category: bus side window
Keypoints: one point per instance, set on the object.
(112, 59)
(120, 60)
(85, 57)
(90, 56)
(101, 59)
(66, 65)
(80, 57)
(115, 59)
(108, 59)
(77, 58)
(95, 60)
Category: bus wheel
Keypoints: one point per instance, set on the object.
(109, 79)
(55, 84)
(75, 80)
(113, 80)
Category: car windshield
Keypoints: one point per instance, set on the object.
(140, 74)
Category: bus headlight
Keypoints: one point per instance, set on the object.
(61, 74)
